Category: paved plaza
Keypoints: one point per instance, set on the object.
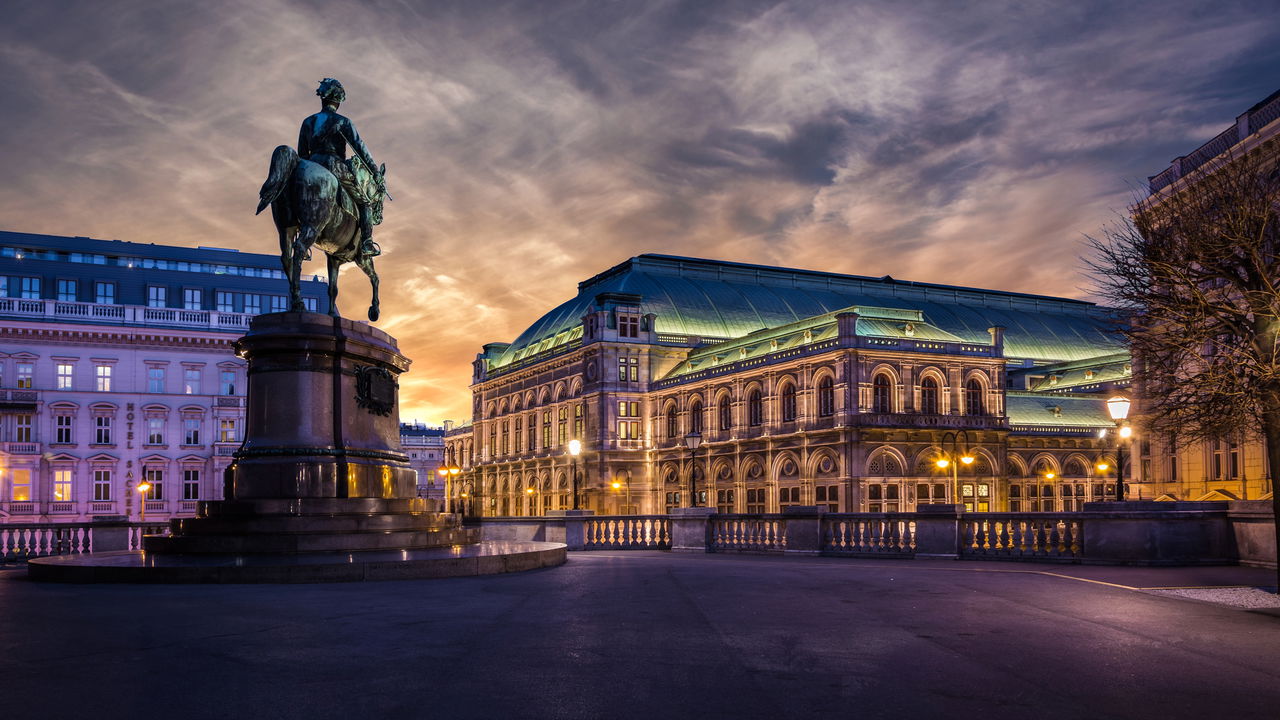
(650, 635)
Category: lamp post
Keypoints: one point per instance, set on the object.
(448, 473)
(692, 441)
(575, 449)
(143, 488)
(618, 486)
(1118, 408)
(529, 494)
(949, 459)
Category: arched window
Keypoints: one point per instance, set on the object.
(726, 413)
(755, 409)
(695, 417)
(929, 396)
(788, 402)
(881, 394)
(1073, 469)
(673, 423)
(826, 397)
(973, 404)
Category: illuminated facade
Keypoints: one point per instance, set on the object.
(425, 447)
(116, 367)
(750, 389)
(1234, 467)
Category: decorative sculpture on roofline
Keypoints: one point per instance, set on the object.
(319, 198)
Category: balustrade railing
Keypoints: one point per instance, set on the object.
(754, 533)
(28, 540)
(868, 534)
(125, 314)
(1022, 535)
(627, 532)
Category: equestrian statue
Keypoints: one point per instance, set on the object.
(320, 198)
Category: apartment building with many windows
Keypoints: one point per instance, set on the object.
(116, 366)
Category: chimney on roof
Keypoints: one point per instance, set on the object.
(847, 326)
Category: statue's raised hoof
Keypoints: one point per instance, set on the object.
(373, 314)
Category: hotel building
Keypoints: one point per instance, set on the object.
(116, 367)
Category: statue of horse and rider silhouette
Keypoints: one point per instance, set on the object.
(320, 199)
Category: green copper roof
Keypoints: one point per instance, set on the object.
(1045, 411)
(1082, 374)
(715, 299)
(872, 322)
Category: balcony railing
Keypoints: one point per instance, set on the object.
(125, 314)
(21, 448)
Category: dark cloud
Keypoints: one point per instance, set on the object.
(531, 144)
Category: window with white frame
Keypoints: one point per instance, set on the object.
(310, 303)
(30, 288)
(191, 430)
(155, 430)
(157, 296)
(26, 371)
(64, 373)
(102, 426)
(192, 299)
(191, 381)
(228, 382)
(22, 428)
(62, 485)
(227, 430)
(253, 304)
(279, 303)
(62, 425)
(190, 484)
(155, 379)
(102, 374)
(67, 290)
(104, 293)
(102, 485)
(226, 301)
(155, 477)
(20, 485)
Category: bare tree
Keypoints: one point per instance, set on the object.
(1196, 276)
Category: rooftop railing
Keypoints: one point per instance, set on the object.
(1246, 125)
(131, 315)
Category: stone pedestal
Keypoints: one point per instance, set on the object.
(323, 411)
(691, 528)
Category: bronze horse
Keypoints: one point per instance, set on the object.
(310, 208)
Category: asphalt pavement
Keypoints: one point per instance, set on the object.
(651, 635)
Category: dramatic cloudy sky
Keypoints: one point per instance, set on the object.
(532, 144)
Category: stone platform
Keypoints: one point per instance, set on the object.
(320, 490)
(483, 558)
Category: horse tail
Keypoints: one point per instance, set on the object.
(283, 161)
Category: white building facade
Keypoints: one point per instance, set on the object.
(117, 367)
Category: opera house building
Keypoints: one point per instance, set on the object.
(671, 382)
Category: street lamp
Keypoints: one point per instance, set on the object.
(1118, 408)
(575, 449)
(533, 508)
(143, 488)
(947, 460)
(448, 473)
(692, 441)
(618, 486)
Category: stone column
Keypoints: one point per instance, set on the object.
(804, 530)
(937, 531)
(691, 529)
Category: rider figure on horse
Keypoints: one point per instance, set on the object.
(324, 138)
